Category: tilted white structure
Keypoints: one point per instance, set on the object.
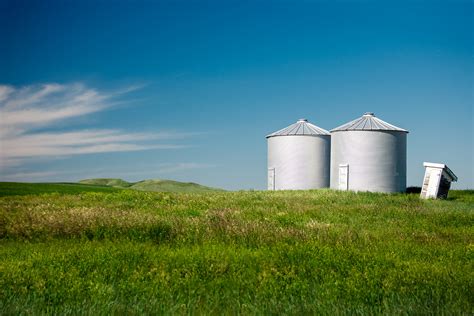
(299, 157)
(368, 154)
(437, 181)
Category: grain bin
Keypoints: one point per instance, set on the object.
(298, 157)
(368, 154)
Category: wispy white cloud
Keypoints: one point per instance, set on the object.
(31, 107)
(25, 110)
(148, 171)
(5, 91)
(129, 173)
(82, 142)
(29, 176)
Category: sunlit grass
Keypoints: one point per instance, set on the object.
(319, 252)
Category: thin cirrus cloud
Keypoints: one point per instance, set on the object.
(182, 166)
(159, 170)
(25, 110)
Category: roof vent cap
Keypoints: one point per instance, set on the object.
(301, 128)
(368, 122)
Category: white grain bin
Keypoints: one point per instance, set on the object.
(368, 154)
(298, 157)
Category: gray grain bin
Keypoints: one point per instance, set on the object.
(368, 154)
(298, 157)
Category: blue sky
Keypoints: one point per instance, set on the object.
(187, 90)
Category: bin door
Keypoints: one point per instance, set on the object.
(434, 182)
(271, 179)
(343, 177)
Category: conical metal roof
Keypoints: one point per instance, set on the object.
(368, 122)
(301, 128)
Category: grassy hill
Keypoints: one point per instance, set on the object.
(101, 185)
(111, 182)
(171, 186)
(301, 252)
(155, 185)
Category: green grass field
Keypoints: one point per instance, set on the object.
(302, 252)
(102, 185)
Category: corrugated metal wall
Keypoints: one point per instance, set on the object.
(298, 162)
(376, 160)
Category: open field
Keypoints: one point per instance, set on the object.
(318, 252)
(102, 185)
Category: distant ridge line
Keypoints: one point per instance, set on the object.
(153, 185)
